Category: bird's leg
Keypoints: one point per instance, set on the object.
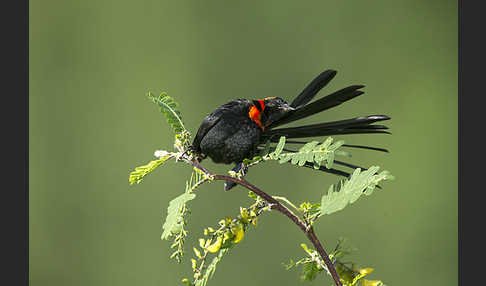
(189, 149)
(239, 168)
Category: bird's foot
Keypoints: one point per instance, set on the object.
(240, 169)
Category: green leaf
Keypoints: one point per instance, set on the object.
(197, 178)
(168, 107)
(208, 274)
(349, 190)
(310, 271)
(311, 152)
(349, 272)
(278, 149)
(142, 171)
(175, 219)
(177, 211)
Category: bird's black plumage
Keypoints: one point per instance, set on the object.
(235, 130)
(228, 135)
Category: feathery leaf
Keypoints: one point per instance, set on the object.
(208, 274)
(175, 219)
(142, 171)
(314, 153)
(177, 211)
(349, 190)
(168, 107)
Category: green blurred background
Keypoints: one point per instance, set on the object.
(92, 62)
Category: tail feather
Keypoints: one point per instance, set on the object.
(346, 123)
(337, 172)
(322, 104)
(349, 165)
(358, 125)
(330, 171)
(344, 145)
(366, 147)
(329, 132)
(303, 109)
(313, 88)
(369, 127)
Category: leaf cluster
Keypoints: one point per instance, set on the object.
(313, 152)
(175, 222)
(168, 107)
(230, 232)
(140, 172)
(349, 190)
(350, 274)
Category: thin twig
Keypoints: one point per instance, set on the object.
(275, 204)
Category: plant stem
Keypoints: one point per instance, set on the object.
(275, 204)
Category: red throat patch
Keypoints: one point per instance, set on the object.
(255, 114)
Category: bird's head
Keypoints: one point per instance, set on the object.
(268, 110)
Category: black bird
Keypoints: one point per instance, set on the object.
(237, 129)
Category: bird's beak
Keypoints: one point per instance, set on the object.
(287, 108)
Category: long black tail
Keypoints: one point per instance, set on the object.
(358, 125)
(327, 102)
(344, 145)
(313, 88)
(303, 109)
(333, 170)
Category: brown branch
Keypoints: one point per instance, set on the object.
(276, 205)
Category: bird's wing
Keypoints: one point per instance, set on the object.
(212, 119)
(205, 126)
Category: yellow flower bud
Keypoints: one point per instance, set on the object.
(216, 245)
(227, 235)
(202, 242)
(366, 282)
(365, 271)
(244, 215)
(238, 232)
(197, 252)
